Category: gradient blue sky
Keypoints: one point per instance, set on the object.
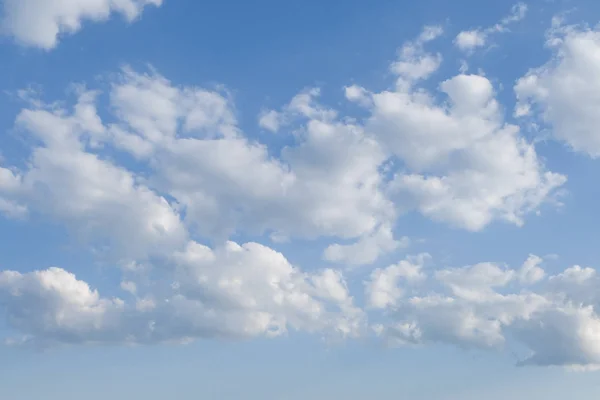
(256, 56)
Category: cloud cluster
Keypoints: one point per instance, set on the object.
(462, 162)
(167, 170)
(231, 292)
(489, 305)
(450, 156)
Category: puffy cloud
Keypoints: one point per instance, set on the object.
(484, 304)
(231, 292)
(41, 23)
(186, 139)
(242, 291)
(461, 162)
(576, 275)
(156, 111)
(328, 184)
(383, 289)
(414, 63)
(563, 92)
(475, 283)
(531, 272)
(446, 320)
(188, 136)
(302, 106)
(270, 120)
(464, 164)
(54, 306)
(102, 202)
(470, 40)
(576, 284)
(256, 279)
(565, 335)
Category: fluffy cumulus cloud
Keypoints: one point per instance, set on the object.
(490, 306)
(230, 292)
(259, 284)
(383, 288)
(56, 306)
(41, 23)
(327, 184)
(469, 40)
(101, 202)
(562, 94)
(203, 175)
(462, 163)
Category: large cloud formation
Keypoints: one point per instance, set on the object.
(167, 171)
(485, 304)
(231, 292)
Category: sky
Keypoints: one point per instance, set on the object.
(275, 200)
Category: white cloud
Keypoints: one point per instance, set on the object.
(575, 274)
(327, 184)
(256, 279)
(446, 320)
(231, 292)
(530, 271)
(153, 112)
(465, 165)
(577, 284)
(358, 95)
(470, 40)
(564, 335)
(189, 137)
(383, 289)
(302, 106)
(414, 63)
(475, 283)
(103, 203)
(56, 307)
(270, 120)
(41, 23)
(563, 93)
(483, 304)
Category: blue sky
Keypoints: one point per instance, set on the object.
(262, 200)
